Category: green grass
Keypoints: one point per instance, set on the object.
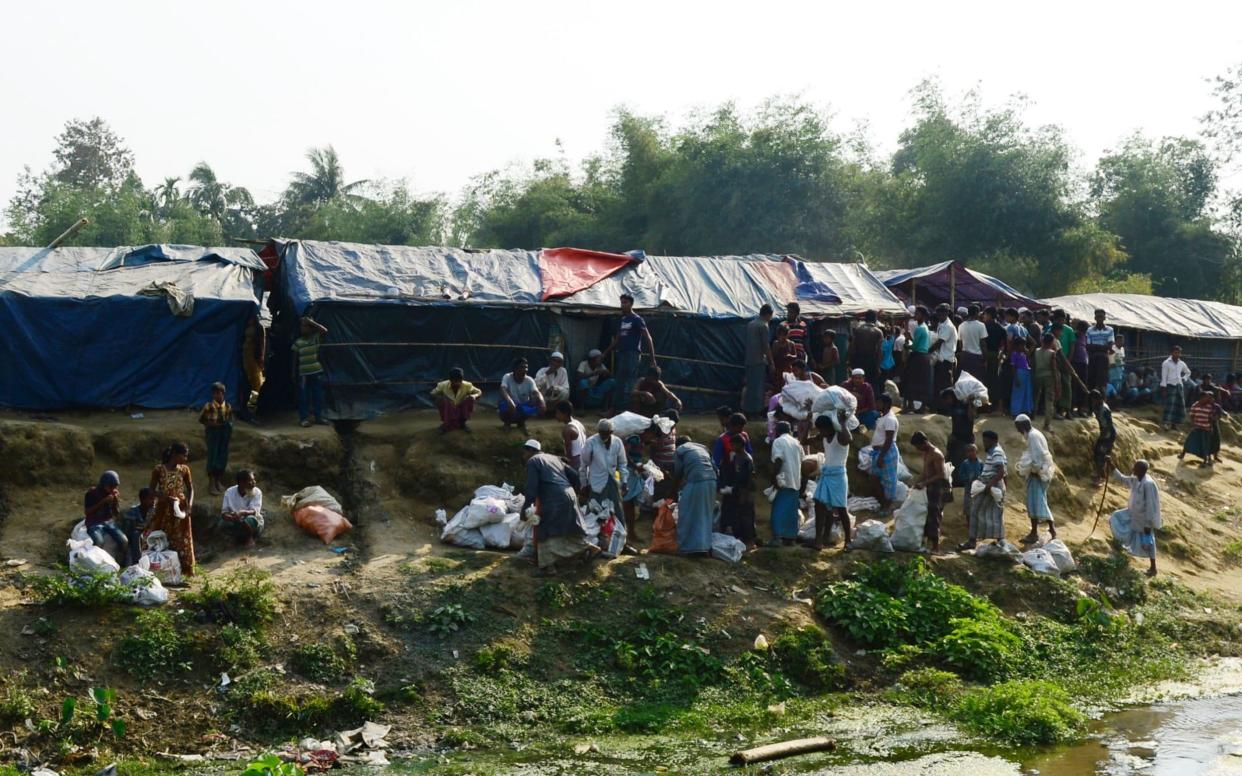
(246, 598)
(1232, 552)
(318, 662)
(1025, 712)
(159, 645)
(83, 591)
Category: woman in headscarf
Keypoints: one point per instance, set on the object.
(696, 502)
(174, 493)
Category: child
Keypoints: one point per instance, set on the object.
(217, 416)
(135, 520)
(242, 509)
(100, 510)
(1021, 399)
(966, 474)
(737, 490)
(307, 371)
(635, 484)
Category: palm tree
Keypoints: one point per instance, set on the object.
(167, 194)
(325, 181)
(213, 197)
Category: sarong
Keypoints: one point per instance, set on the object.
(884, 468)
(918, 380)
(833, 489)
(935, 509)
(785, 514)
(1198, 442)
(1174, 403)
(556, 548)
(1137, 543)
(1098, 371)
(1037, 499)
(1021, 399)
(987, 517)
(696, 511)
(218, 448)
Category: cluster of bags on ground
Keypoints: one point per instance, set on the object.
(1052, 558)
(317, 513)
(88, 559)
(490, 520)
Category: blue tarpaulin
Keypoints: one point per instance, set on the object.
(953, 282)
(78, 336)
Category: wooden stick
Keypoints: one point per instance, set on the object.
(1108, 464)
(784, 749)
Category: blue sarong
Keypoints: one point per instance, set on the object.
(785, 514)
(1022, 400)
(1137, 543)
(1037, 499)
(885, 469)
(833, 490)
(595, 395)
(696, 510)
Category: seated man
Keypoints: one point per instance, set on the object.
(135, 521)
(455, 398)
(101, 509)
(862, 390)
(553, 380)
(651, 395)
(519, 397)
(242, 509)
(595, 382)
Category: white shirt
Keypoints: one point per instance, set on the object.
(972, 334)
(789, 451)
(1144, 504)
(549, 381)
(835, 453)
(599, 462)
(1173, 372)
(885, 423)
(947, 333)
(575, 447)
(899, 343)
(234, 501)
(1037, 448)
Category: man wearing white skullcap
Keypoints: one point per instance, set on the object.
(560, 531)
(1037, 468)
(603, 467)
(553, 380)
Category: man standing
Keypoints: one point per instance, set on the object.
(832, 492)
(1103, 450)
(973, 334)
(628, 343)
(573, 435)
(519, 397)
(696, 501)
(866, 341)
(787, 461)
(934, 482)
(307, 371)
(560, 533)
(943, 351)
(595, 383)
(885, 456)
(758, 361)
(1037, 467)
(455, 398)
(987, 512)
(799, 332)
(553, 380)
(1173, 376)
(603, 467)
(1065, 339)
(997, 340)
(917, 383)
(1100, 343)
(1134, 527)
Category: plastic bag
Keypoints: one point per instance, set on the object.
(520, 535)
(314, 495)
(727, 548)
(664, 531)
(148, 590)
(318, 520)
(977, 488)
(161, 561)
(798, 397)
(970, 388)
(1125, 534)
(503, 493)
(79, 534)
(630, 423)
(483, 511)
(1040, 561)
(614, 535)
(1002, 550)
(499, 535)
(872, 535)
(911, 518)
(1061, 554)
(86, 558)
(834, 399)
(470, 538)
(864, 459)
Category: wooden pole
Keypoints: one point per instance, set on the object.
(784, 749)
(953, 286)
(65, 235)
(914, 292)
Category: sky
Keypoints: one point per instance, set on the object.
(437, 92)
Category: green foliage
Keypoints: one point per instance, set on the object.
(760, 673)
(246, 598)
(158, 646)
(871, 617)
(16, 704)
(806, 655)
(1232, 552)
(271, 765)
(928, 688)
(256, 701)
(1021, 713)
(447, 619)
(86, 591)
(239, 648)
(317, 662)
(1115, 573)
(497, 656)
(982, 649)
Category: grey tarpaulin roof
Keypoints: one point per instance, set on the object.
(41, 260)
(1181, 317)
(714, 287)
(204, 280)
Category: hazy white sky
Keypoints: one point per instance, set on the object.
(438, 92)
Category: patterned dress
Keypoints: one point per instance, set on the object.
(169, 484)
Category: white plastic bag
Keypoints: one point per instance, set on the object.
(1040, 561)
(798, 397)
(504, 493)
(148, 591)
(833, 399)
(470, 538)
(79, 534)
(161, 561)
(1061, 555)
(484, 511)
(499, 535)
(616, 540)
(911, 518)
(521, 534)
(806, 530)
(727, 548)
(629, 423)
(977, 488)
(872, 535)
(86, 558)
(1002, 550)
(864, 459)
(970, 388)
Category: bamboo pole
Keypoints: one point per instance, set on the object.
(65, 235)
(784, 749)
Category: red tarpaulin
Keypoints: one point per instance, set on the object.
(565, 271)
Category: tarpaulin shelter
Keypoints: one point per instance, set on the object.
(80, 332)
(1210, 333)
(954, 284)
(399, 317)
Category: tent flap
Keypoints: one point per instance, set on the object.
(564, 271)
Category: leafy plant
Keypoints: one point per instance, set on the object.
(872, 618)
(492, 658)
(317, 662)
(806, 655)
(86, 591)
(982, 649)
(928, 688)
(1115, 573)
(239, 648)
(158, 645)
(1021, 713)
(246, 598)
(15, 704)
(271, 765)
(447, 619)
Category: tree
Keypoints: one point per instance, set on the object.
(89, 154)
(228, 205)
(392, 216)
(167, 194)
(1156, 196)
(325, 181)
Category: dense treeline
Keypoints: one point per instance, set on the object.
(980, 185)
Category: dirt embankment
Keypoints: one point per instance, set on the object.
(395, 472)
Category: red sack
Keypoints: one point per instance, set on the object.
(664, 531)
(320, 521)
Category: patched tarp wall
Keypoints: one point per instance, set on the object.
(75, 336)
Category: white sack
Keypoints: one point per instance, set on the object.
(872, 535)
(911, 518)
(1061, 555)
(727, 548)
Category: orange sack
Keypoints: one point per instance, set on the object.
(664, 531)
(320, 521)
